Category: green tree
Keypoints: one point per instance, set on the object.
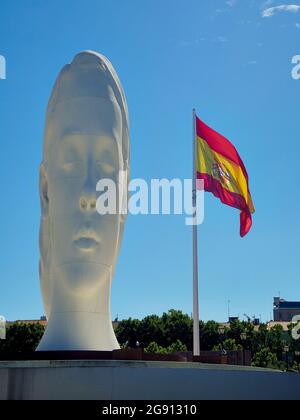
(151, 329)
(294, 344)
(265, 359)
(237, 328)
(128, 330)
(275, 340)
(259, 339)
(155, 348)
(228, 344)
(177, 346)
(209, 335)
(177, 326)
(21, 337)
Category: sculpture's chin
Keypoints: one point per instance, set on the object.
(83, 278)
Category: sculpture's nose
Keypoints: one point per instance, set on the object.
(87, 198)
(87, 203)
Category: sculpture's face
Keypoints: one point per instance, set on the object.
(86, 148)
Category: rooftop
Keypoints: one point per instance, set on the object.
(285, 304)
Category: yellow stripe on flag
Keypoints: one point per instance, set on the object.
(228, 173)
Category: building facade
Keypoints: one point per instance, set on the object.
(284, 311)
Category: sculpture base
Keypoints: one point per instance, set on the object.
(141, 380)
(235, 357)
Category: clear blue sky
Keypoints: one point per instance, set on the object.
(221, 57)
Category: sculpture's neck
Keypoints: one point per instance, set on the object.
(80, 321)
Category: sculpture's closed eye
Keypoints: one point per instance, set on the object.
(106, 168)
(73, 168)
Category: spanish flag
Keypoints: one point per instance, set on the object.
(219, 165)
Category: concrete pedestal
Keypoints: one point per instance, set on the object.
(135, 380)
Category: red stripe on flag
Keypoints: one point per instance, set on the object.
(231, 199)
(219, 144)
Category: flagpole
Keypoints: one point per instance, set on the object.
(196, 334)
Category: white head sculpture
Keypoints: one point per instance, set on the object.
(86, 139)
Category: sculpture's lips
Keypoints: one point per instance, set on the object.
(87, 240)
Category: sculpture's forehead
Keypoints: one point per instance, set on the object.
(83, 142)
(84, 116)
